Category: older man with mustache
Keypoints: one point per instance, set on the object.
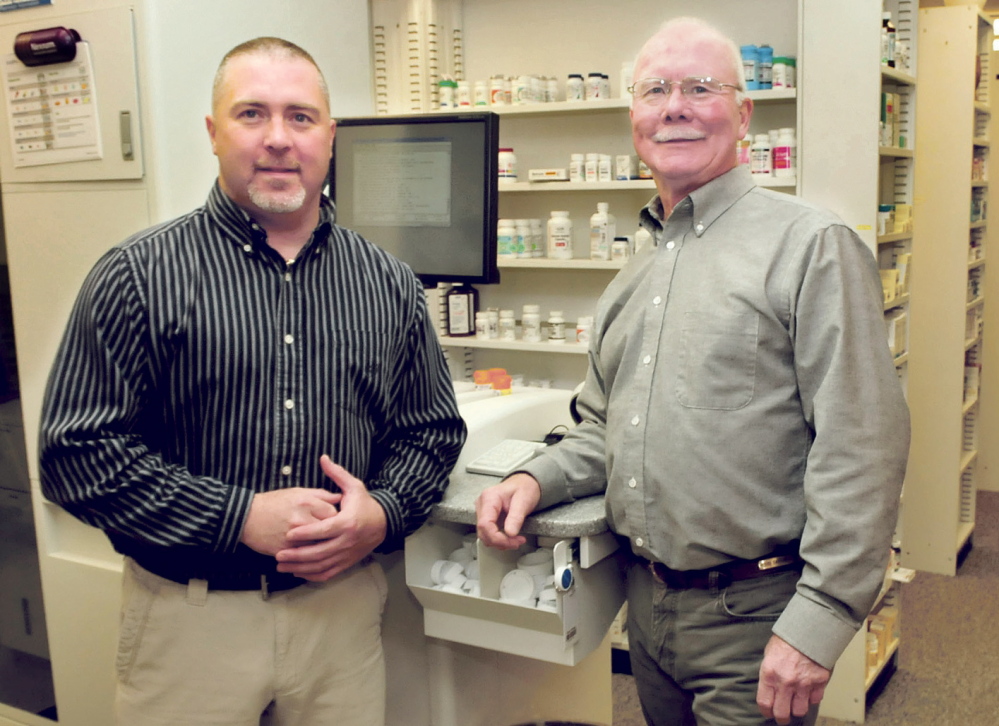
(741, 411)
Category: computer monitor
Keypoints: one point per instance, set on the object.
(423, 188)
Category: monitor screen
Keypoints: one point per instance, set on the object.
(423, 188)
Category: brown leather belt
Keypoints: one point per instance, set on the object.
(723, 575)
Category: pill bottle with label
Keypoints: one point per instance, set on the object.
(482, 325)
(583, 328)
(575, 87)
(551, 89)
(626, 70)
(522, 90)
(785, 154)
(560, 236)
(602, 229)
(594, 84)
(463, 95)
(480, 94)
(620, 249)
(591, 166)
(750, 60)
(531, 324)
(446, 90)
(783, 72)
(506, 237)
(605, 165)
(538, 242)
(497, 97)
(507, 164)
(576, 168)
(507, 325)
(523, 239)
(760, 162)
(764, 70)
(462, 302)
(492, 323)
(556, 327)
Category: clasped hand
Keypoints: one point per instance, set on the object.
(314, 533)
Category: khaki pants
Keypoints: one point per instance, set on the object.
(308, 656)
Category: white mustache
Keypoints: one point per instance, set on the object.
(678, 134)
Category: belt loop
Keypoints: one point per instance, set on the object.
(265, 593)
(197, 592)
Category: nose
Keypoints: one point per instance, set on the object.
(277, 136)
(675, 105)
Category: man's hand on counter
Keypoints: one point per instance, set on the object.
(500, 510)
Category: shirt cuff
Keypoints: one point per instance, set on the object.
(395, 529)
(237, 509)
(554, 487)
(814, 630)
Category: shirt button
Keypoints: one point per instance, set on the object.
(634, 421)
(632, 483)
(647, 359)
(289, 339)
(699, 228)
(287, 277)
(670, 245)
(657, 300)
(289, 404)
(286, 470)
(255, 226)
(639, 541)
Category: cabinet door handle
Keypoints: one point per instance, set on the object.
(125, 132)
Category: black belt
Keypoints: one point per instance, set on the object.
(722, 575)
(265, 583)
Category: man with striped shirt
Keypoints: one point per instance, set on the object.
(249, 400)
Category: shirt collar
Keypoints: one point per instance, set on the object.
(242, 227)
(705, 204)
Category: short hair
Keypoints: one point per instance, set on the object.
(266, 45)
(731, 49)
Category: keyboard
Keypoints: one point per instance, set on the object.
(504, 457)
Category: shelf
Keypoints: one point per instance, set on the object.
(964, 532)
(557, 108)
(969, 404)
(894, 151)
(978, 223)
(544, 263)
(567, 186)
(970, 343)
(901, 360)
(975, 303)
(982, 108)
(976, 264)
(896, 76)
(980, 141)
(967, 459)
(515, 345)
(897, 302)
(885, 239)
(889, 654)
(978, 183)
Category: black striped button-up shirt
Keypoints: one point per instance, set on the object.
(199, 368)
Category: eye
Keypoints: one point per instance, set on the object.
(698, 89)
(249, 113)
(302, 118)
(657, 89)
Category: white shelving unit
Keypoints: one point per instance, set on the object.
(948, 288)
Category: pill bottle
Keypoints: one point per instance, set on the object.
(496, 95)
(480, 94)
(783, 72)
(522, 90)
(583, 328)
(446, 91)
(576, 168)
(531, 323)
(575, 87)
(492, 323)
(620, 249)
(551, 89)
(522, 240)
(482, 325)
(602, 228)
(626, 70)
(556, 327)
(591, 166)
(605, 172)
(605, 91)
(760, 162)
(462, 301)
(507, 164)
(785, 155)
(506, 237)
(750, 60)
(884, 219)
(538, 241)
(594, 84)
(560, 236)
(507, 325)
(764, 69)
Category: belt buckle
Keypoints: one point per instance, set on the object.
(771, 563)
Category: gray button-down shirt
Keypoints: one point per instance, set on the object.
(741, 396)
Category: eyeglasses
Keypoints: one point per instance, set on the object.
(654, 91)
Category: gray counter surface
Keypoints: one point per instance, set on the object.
(582, 518)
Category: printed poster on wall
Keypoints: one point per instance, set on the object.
(52, 110)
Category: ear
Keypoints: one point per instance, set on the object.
(745, 114)
(210, 125)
